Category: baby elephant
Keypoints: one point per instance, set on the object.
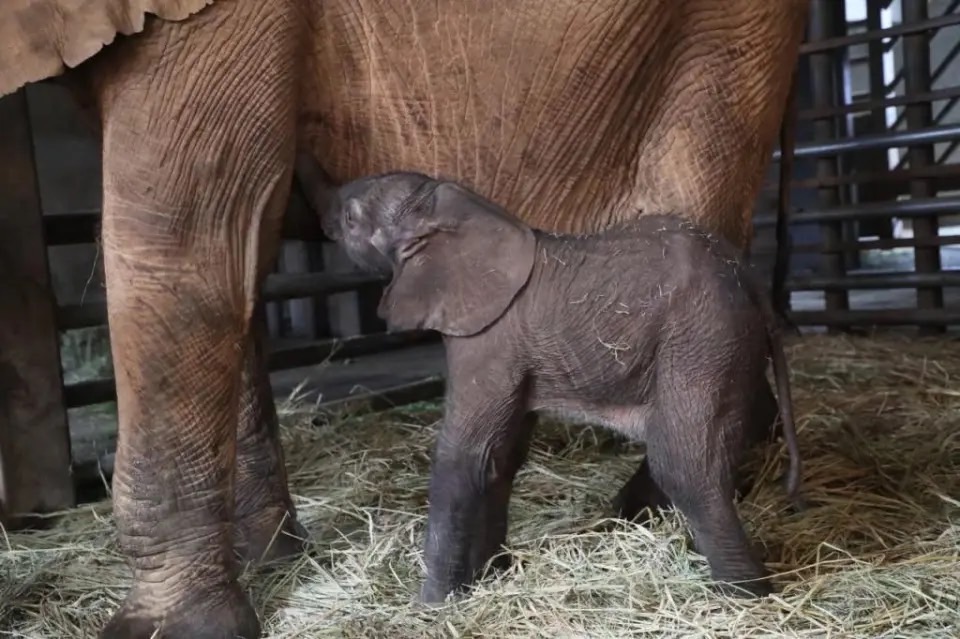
(651, 329)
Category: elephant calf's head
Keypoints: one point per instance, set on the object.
(457, 260)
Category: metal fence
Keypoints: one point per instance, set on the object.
(876, 179)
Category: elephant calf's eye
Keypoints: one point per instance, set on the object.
(353, 215)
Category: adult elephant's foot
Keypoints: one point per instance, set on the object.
(222, 614)
(270, 535)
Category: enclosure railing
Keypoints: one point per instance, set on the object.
(838, 195)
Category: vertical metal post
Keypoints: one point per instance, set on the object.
(850, 229)
(916, 70)
(821, 26)
(878, 116)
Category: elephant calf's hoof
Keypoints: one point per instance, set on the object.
(501, 562)
(434, 595)
(200, 618)
(753, 589)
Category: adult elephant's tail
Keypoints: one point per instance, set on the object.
(40, 39)
(781, 264)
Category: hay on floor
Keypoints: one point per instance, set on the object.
(877, 554)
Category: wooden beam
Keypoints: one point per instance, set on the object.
(35, 472)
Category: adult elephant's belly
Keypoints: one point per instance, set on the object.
(572, 114)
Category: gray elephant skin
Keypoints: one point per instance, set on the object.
(652, 328)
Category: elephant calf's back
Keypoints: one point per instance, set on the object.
(573, 118)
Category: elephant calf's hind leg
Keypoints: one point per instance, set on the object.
(639, 494)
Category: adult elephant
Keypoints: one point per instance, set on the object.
(573, 114)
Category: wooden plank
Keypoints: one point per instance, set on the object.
(35, 475)
(371, 382)
(281, 355)
(277, 287)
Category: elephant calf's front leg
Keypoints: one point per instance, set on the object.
(475, 462)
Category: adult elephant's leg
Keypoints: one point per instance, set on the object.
(267, 526)
(198, 143)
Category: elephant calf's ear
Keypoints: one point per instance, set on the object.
(468, 271)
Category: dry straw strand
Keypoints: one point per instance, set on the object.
(877, 554)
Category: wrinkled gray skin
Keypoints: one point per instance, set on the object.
(651, 329)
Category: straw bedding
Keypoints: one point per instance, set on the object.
(876, 555)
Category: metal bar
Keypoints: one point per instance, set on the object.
(816, 45)
(947, 59)
(941, 68)
(904, 208)
(916, 64)
(293, 285)
(848, 229)
(822, 26)
(885, 317)
(925, 135)
(874, 281)
(878, 120)
(768, 248)
(104, 390)
(878, 103)
(940, 172)
(936, 120)
(277, 287)
(884, 4)
(935, 75)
